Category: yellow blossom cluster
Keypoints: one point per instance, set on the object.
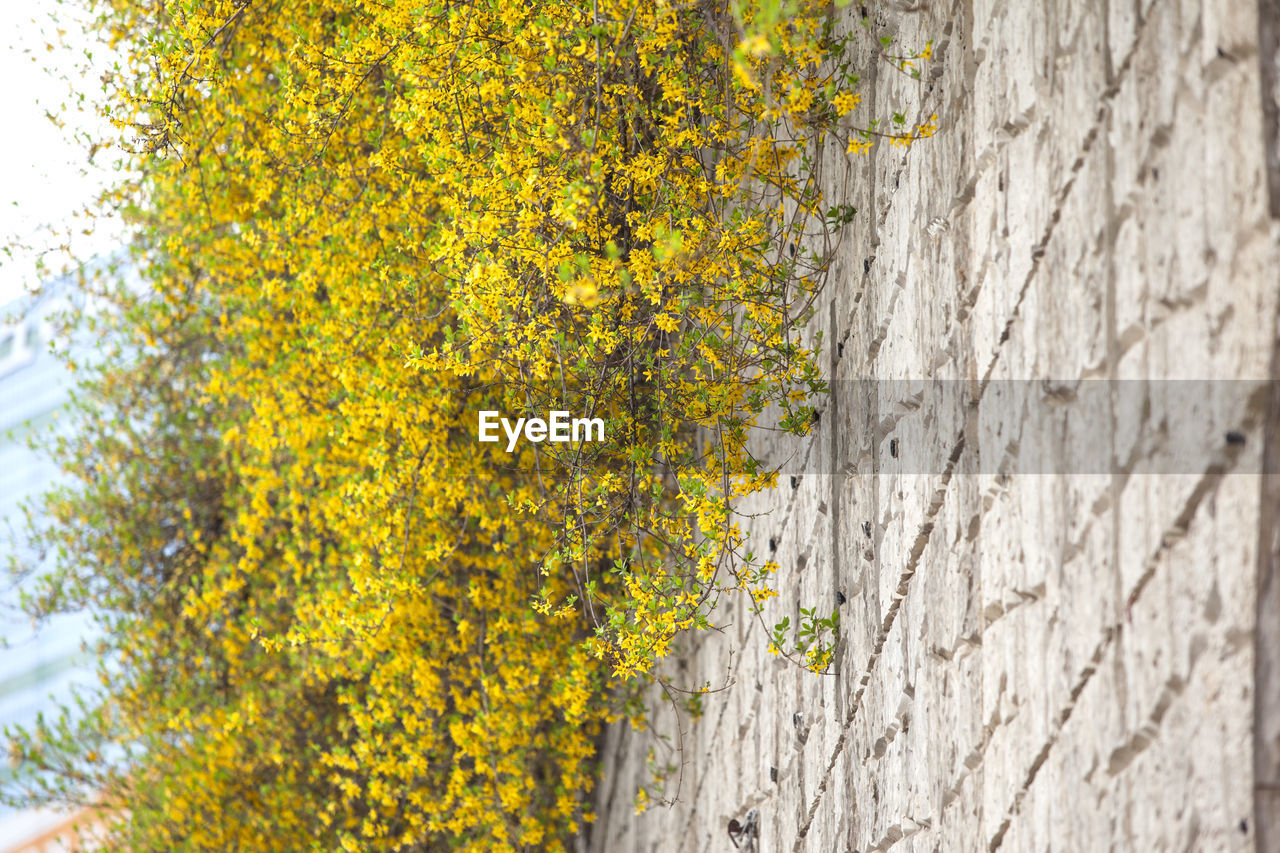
(334, 618)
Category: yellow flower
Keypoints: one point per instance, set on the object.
(757, 44)
(762, 593)
(583, 292)
(846, 102)
(860, 146)
(800, 99)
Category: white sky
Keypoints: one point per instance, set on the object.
(45, 175)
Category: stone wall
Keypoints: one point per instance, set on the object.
(1051, 616)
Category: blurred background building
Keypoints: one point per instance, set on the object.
(39, 665)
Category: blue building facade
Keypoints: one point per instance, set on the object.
(40, 665)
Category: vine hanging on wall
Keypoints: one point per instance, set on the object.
(332, 616)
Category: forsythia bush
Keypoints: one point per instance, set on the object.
(333, 618)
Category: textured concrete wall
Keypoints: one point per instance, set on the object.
(1050, 627)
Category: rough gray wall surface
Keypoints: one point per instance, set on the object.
(1030, 661)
